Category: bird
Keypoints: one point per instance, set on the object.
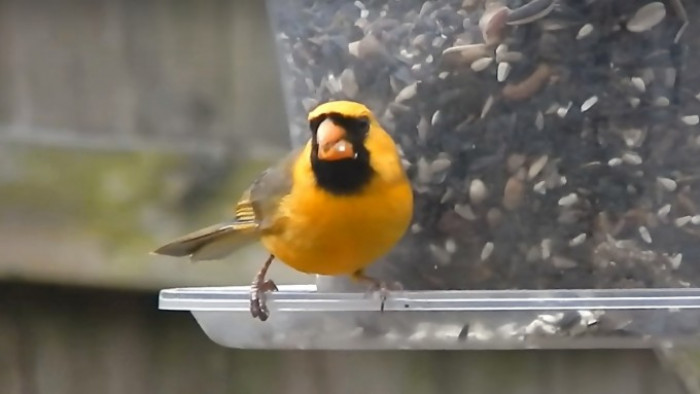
(332, 206)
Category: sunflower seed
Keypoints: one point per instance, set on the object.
(644, 233)
(481, 64)
(676, 260)
(562, 262)
(513, 193)
(568, 200)
(487, 107)
(503, 71)
(540, 187)
(584, 31)
(539, 121)
(663, 212)
(590, 102)
(465, 211)
(682, 221)
(407, 93)
(486, 250)
(662, 101)
(639, 84)
(578, 240)
(546, 246)
(562, 111)
(614, 162)
(632, 158)
(667, 183)
(450, 246)
(691, 120)
(647, 17)
(477, 191)
(537, 166)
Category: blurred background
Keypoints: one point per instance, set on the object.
(125, 123)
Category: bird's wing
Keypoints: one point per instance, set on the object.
(255, 211)
(261, 201)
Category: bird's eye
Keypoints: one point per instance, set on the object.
(363, 123)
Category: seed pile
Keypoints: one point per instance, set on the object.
(550, 143)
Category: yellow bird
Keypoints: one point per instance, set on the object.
(332, 207)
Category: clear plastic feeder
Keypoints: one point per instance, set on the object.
(554, 152)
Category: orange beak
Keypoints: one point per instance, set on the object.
(331, 142)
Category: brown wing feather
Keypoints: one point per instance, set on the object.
(255, 211)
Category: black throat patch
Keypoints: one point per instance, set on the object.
(347, 176)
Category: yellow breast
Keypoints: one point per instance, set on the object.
(326, 234)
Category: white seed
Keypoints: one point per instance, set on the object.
(429, 59)
(633, 137)
(443, 75)
(670, 75)
(501, 49)
(647, 17)
(441, 255)
(563, 262)
(487, 106)
(676, 260)
(578, 240)
(450, 246)
(477, 191)
(691, 120)
(540, 187)
(562, 111)
(503, 71)
(407, 93)
(546, 246)
(435, 118)
(695, 220)
(449, 193)
(664, 211)
(639, 84)
(615, 161)
(416, 228)
(440, 164)
(682, 221)
(481, 64)
(667, 183)
(584, 31)
(465, 211)
(537, 166)
(539, 121)
(510, 57)
(568, 200)
(348, 83)
(662, 101)
(632, 158)
(486, 250)
(423, 170)
(644, 233)
(634, 102)
(590, 102)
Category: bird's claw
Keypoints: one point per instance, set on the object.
(258, 295)
(383, 289)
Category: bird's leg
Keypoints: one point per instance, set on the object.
(258, 289)
(377, 285)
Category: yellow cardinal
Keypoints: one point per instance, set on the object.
(331, 208)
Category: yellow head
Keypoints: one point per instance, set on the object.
(349, 147)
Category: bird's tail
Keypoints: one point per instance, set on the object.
(211, 243)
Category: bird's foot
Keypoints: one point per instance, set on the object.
(378, 287)
(258, 292)
(258, 295)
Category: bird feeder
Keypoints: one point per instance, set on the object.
(553, 148)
